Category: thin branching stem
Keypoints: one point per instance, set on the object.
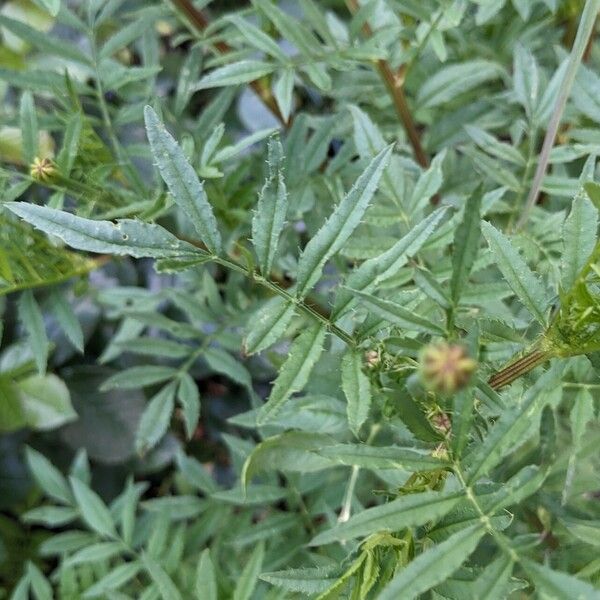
(300, 304)
(395, 85)
(197, 22)
(586, 26)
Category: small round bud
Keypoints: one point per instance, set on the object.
(42, 169)
(445, 368)
(372, 358)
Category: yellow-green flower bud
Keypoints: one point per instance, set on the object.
(445, 368)
(42, 169)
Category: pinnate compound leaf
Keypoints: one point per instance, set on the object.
(126, 237)
(340, 225)
(376, 270)
(93, 510)
(357, 389)
(269, 217)
(295, 371)
(526, 286)
(434, 565)
(182, 181)
(579, 237)
(407, 511)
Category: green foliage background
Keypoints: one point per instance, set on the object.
(229, 231)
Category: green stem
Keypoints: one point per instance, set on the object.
(297, 302)
(584, 31)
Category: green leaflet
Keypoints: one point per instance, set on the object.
(44, 42)
(398, 315)
(29, 127)
(31, 317)
(189, 398)
(48, 477)
(163, 582)
(155, 420)
(137, 377)
(283, 90)
(452, 80)
(427, 185)
(93, 510)
(268, 325)
(67, 319)
(434, 565)
(462, 419)
(466, 245)
(381, 457)
(294, 451)
(235, 73)
(95, 552)
(295, 371)
(113, 580)
(269, 217)
(52, 6)
(249, 577)
(495, 148)
(579, 238)
(357, 389)
(556, 584)
(492, 583)
(303, 581)
(182, 181)
(581, 414)
(258, 38)
(406, 511)
(126, 237)
(526, 286)
(206, 584)
(339, 226)
(376, 270)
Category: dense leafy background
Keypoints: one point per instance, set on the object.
(228, 230)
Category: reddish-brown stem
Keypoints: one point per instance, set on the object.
(199, 23)
(395, 85)
(518, 368)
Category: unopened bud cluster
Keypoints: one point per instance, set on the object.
(445, 368)
(42, 169)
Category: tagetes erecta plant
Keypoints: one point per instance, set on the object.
(299, 299)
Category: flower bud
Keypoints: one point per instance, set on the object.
(42, 169)
(445, 368)
(372, 358)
